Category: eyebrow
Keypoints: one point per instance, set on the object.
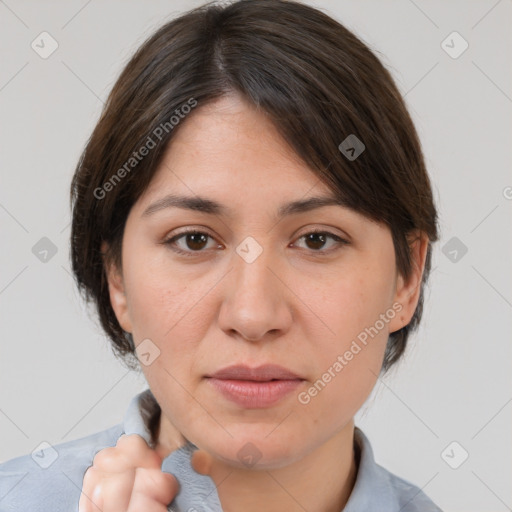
(209, 206)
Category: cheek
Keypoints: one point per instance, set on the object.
(353, 304)
(347, 373)
(349, 358)
(175, 313)
(159, 298)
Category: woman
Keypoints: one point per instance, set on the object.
(253, 220)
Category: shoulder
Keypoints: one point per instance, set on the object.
(51, 478)
(409, 497)
(376, 488)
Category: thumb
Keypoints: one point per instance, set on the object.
(202, 462)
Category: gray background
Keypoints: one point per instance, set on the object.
(58, 378)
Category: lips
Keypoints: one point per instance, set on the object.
(250, 394)
(264, 373)
(255, 388)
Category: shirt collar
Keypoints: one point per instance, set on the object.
(373, 489)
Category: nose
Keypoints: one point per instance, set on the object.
(256, 300)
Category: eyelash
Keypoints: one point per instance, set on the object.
(171, 242)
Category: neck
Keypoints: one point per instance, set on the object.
(320, 481)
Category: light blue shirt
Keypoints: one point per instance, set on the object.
(51, 480)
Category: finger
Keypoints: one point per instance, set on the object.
(106, 492)
(132, 442)
(152, 490)
(127, 454)
(135, 448)
(90, 498)
(114, 491)
(142, 503)
(91, 501)
(202, 462)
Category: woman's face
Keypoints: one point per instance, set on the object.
(252, 289)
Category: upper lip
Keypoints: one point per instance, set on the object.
(262, 373)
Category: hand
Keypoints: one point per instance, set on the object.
(127, 478)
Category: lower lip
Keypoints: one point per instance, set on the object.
(252, 394)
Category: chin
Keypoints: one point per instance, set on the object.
(256, 453)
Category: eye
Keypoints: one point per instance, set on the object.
(317, 239)
(193, 242)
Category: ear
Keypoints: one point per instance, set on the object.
(116, 288)
(407, 293)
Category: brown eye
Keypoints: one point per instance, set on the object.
(190, 242)
(316, 241)
(196, 241)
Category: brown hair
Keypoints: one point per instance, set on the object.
(318, 83)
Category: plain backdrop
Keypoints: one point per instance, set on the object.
(58, 378)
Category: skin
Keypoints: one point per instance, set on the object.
(291, 306)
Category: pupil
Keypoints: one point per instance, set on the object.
(198, 239)
(319, 236)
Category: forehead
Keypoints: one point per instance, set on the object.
(228, 161)
(228, 145)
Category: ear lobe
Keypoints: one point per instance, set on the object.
(408, 292)
(116, 288)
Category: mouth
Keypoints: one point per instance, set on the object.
(255, 388)
(264, 373)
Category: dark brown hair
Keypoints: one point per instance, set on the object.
(318, 83)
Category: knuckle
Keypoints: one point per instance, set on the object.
(91, 478)
(146, 480)
(134, 450)
(132, 442)
(155, 484)
(152, 459)
(91, 491)
(104, 457)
